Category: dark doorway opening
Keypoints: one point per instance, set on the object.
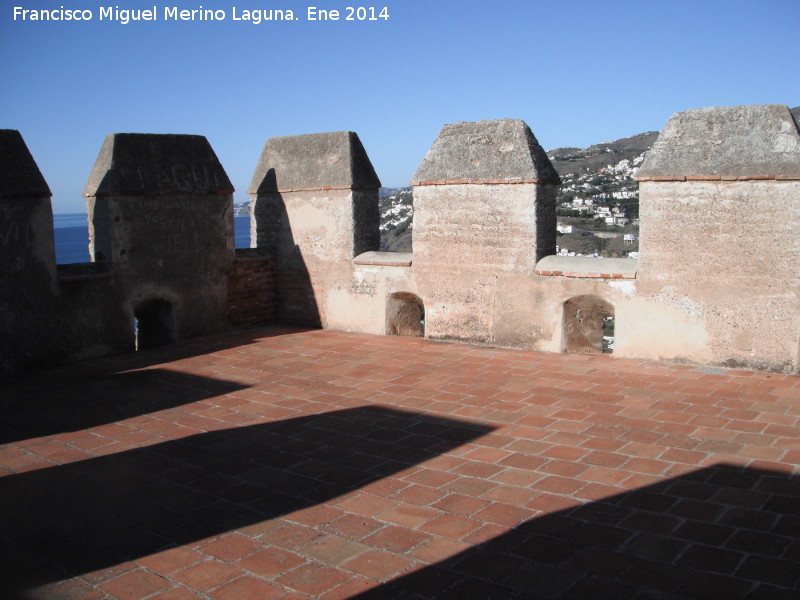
(154, 324)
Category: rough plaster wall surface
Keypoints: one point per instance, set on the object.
(483, 227)
(320, 224)
(652, 328)
(359, 305)
(87, 331)
(529, 311)
(727, 255)
(29, 292)
(720, 231)
(314, 235)
(521, 315)
(178, 248)
(458, 305)
(698, 232)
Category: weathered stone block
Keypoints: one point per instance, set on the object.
(735, 141)
(492, 152)
(144, 164)
(318, 161)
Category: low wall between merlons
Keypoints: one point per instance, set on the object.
(717, 281)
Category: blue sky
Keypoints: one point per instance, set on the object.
(578, 72)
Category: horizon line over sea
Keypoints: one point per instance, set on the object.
(71, 232)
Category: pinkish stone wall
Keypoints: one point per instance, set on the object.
(718, 280)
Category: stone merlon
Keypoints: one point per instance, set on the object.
(148, 164)
(500, 151)
(319, 161)
(749, 142)
(19, 175)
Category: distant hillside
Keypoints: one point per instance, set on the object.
(594, 158)
(396, 206)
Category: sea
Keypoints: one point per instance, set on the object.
(71, 232)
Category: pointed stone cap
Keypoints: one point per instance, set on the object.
(317, 161)
(154, 164)
(501, 151)
(729, 143)
(19, 175)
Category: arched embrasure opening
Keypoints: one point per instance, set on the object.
(588, 325)
(405, 315)
(154, 324)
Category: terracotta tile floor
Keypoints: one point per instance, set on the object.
(315, 464)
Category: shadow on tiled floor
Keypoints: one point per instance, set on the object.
(281, 464)
(92, 514)
(84, 403)
(721, 532)
(111, 389)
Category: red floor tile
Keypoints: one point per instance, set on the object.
(316, 464)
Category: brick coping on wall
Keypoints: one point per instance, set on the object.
(384, 259)
(587, 267)
(324, 188)
(719, 178)
(483, 182)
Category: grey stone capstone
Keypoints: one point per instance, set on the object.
(313, 161)
(733, 141)
(19, 175)
(500, 150)
(144, 164)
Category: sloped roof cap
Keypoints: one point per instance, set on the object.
(316, 161)
(498, 151)
(20, 177)
(144, 164)
(735, 141)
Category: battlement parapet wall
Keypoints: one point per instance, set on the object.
(720, 231)
(484, 209)
(717, 280)
(28, 280)
(161, 212)
(314, 207)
